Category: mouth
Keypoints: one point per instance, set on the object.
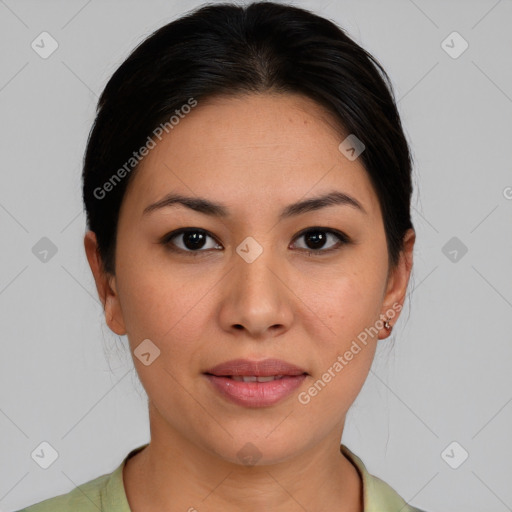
(255, 378)
(256, 383)
(255, 393)
(256, 370)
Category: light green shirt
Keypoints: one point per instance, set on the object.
(106, 493)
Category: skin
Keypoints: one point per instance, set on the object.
(255, 154)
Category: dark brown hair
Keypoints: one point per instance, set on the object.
(226, 49)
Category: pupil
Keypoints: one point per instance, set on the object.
(317, 238)
(195, 238)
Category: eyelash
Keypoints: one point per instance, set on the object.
(342, 237)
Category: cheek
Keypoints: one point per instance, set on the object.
(346, 302)
(165, 305)
(159, 307)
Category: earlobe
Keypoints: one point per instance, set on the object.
(105, 285)
(113, 315)
(397, 285)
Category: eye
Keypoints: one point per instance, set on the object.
(194, 240)
(191, 240)
(317, 237)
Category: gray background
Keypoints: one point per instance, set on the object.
(68, 380)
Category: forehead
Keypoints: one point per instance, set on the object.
(257, 149)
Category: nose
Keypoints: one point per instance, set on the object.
(257, 298)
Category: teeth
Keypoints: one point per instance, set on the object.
(253, 378)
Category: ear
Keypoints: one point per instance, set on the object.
(105, 285)
(397, 283)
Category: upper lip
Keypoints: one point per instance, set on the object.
(264, 368)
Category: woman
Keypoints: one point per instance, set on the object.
(247, 184)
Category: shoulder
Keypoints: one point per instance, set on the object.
(378, 496)
(85, 498)
(383, 493)
(105, 493)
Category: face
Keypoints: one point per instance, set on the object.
(260, 281)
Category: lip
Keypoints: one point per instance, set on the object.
(256, 394)
(264, 368)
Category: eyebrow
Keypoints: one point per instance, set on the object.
(215, 209)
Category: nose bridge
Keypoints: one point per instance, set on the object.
(255, 279)
(256, 298)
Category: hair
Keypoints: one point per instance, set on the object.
(229, 50)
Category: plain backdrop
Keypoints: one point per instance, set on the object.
(440, 389)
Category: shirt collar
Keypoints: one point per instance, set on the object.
(378, 496)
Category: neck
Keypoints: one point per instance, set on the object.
(173, 473)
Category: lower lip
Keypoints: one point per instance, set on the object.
(256, 394)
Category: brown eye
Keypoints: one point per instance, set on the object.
(320, 240)
(194, 241)
(191, 240)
